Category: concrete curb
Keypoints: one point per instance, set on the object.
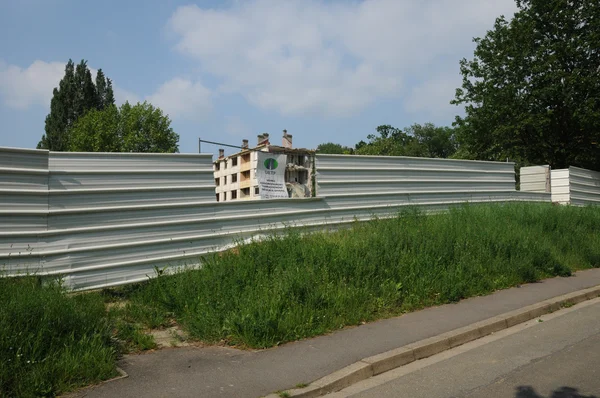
(374, 365)
(82, 391)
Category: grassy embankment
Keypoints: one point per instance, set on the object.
(295, 286)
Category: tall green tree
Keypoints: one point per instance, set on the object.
(75, 95)
(532, 90)
(137, 128)
(104, 91)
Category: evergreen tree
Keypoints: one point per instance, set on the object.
(104, 91)
(109, 98)
(75, 95)
(61, 112)
(100, 90)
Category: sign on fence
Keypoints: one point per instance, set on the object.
(270, 173)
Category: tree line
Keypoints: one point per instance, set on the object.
(426, 140)
(531, 94)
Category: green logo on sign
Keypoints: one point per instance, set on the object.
(271, 164)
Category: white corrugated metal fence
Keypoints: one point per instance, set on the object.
(104, 219)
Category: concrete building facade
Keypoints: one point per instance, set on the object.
(235, 175)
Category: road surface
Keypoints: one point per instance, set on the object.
(556, 356)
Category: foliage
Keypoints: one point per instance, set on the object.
(300, 285)
(334, 149)
(417, 140)
(137, 128)
(50, 342)
(75, 95)
(532, 90)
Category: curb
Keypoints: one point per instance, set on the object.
(380, 363)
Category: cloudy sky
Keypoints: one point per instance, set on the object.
(228, 70)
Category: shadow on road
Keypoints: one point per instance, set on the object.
(563, 392)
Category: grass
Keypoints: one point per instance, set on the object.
(296, 286)
(50, 342)
(289, 287)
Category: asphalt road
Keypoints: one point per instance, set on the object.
(558, 357)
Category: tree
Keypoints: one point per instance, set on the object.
(435, 142)
(417, 140)
(334, 149)
(391, 141)
(532, 90)
(137, 128)
(75, 95)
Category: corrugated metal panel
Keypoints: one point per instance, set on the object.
(535, 179)
(560, 186)
(23, 190)
(25, 159)
(114, 161)
(339, 174)
(101, 232)
(584, 186)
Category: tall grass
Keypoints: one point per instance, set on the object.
(295, 286)
(290, 287)
(51, 342)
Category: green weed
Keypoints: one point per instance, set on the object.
(50, 342)
(292, 286)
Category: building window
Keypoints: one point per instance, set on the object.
(225, 180)
(244, 192)
(217, 197)
(234, 178)
(217, 181)
(245, 175)
(217, 166)
(256, 191)
(233, 195)
(246, 158)
(225, 164)
(234, 161)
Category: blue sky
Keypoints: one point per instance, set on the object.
(228, 70)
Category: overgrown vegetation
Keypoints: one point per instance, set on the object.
(51, 342)
(289, 287)
(296, 286)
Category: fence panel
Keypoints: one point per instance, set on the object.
(584, 186)
(560, 186)
(535, 179)
(108, 219)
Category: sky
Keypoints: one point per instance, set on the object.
(327, 71)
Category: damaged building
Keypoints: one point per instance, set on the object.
(236, 176)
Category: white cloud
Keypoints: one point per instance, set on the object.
(182, 98)
(122, 96)
(334, 58)
(433, 96)
(21, 88)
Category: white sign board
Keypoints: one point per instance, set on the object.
(270, 174)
